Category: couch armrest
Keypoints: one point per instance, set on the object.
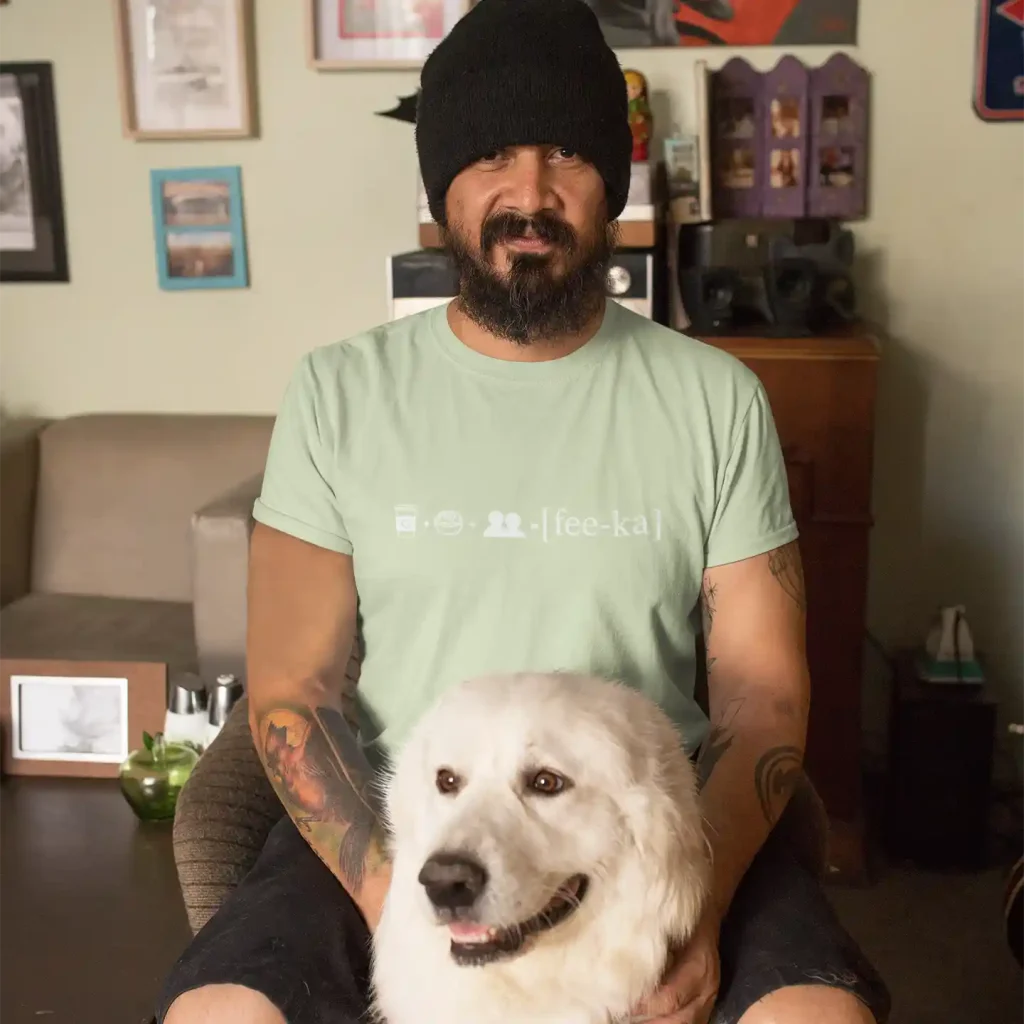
(19, 471)
(220, 571)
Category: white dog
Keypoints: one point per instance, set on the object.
(547, 849)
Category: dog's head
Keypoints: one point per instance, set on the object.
(521, 805)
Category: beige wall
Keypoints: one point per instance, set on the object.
(942, 255)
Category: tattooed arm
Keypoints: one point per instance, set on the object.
(301, 629)
(758, 696)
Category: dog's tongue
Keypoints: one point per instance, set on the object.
(462, 931)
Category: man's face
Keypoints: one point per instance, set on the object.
(528, 232)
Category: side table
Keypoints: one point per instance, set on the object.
(91, 915)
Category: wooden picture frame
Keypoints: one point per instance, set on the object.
(33, 240)
(50, 705)
(375, 45)
(200, 81)
(199, 228)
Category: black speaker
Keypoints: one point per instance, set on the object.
(938, 793)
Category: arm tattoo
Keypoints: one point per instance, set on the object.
(775, 775)
(719, 739)
(786, 567)
(315, 764)
(708, 591)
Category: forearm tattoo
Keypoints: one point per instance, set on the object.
(315, 764)
(775, 776)
(717, 742)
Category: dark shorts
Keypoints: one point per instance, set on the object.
(291, 932)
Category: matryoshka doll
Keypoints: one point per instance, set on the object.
(640, 120)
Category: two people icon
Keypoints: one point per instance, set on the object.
(504, 524)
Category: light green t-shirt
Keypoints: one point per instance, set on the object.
(526, 516)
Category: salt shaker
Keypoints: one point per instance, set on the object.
(186, 718)
(223, 697)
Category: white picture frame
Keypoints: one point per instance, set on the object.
(185, 68)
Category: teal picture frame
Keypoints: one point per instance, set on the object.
(199, 228)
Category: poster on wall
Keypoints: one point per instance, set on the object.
(643, 23)
(999, 78)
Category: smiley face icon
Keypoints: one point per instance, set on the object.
(448, 523)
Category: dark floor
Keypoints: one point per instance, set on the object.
(939, 941)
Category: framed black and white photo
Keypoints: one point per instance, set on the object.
(33, 243)
(185, 68)
(77, 718)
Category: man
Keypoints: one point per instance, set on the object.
(528, 478)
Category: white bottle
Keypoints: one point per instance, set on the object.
(186, 718)
(223, 698)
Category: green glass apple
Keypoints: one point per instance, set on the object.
(152, 777)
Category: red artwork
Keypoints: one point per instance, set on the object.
(752, 23)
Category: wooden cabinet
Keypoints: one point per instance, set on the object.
(822, 394)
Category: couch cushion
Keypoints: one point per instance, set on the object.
(67, 626)
(117, 492)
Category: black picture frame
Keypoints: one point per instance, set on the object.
(47, 257)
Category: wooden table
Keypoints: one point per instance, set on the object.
(91, 916)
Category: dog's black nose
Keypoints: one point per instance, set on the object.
(453, 880)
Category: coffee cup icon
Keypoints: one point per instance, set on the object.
(405, 518)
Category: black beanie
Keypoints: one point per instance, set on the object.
(520, 73)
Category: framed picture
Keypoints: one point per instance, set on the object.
(33, 245)
(185, 68)
(75, 717)
(198, 227)
(364, 35)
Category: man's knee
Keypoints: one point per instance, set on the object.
(223, 1004)
(808, 1004)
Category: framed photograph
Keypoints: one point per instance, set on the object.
(363, 35)
(77, 718)
(198, 227)
(185, 68)
(33, 244)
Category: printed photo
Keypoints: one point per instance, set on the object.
(785, 118)
(388, 19)
(835, 166)
(737, 170)
(682, 165)
(189, 53)
(200, 254)
(196, 202)
(17, 230)
(70, 719)
(785, 168)
(835, 115)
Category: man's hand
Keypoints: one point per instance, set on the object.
(690, 986)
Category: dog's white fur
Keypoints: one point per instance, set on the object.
(630, 822)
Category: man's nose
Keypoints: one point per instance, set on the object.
(528, 185)
(454, 881)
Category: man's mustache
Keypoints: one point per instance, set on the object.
(509, 226)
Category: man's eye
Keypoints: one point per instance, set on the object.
(565, 153)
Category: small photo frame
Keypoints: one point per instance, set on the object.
(33, 242)
(199, 228)
(185, 68)
(367, 35)
(77, 718)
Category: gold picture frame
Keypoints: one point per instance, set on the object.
(363, 49)
(198, 79)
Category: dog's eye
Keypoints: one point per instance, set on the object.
(547, 782)
(447, 781)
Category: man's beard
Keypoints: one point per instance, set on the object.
(532, 302)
